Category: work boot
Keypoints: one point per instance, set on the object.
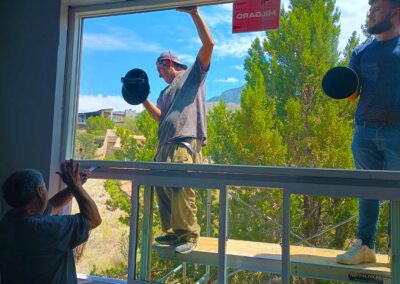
(357, 254)
(168, 239)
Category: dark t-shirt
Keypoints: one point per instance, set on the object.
(378, 67)
(38, 248)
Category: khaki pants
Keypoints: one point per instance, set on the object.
(177, 205)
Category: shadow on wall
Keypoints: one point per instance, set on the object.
(3, 206)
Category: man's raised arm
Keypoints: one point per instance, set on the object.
(205, 35)
(71, 177)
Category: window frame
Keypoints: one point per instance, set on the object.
(76, 17)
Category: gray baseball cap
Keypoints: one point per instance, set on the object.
(171, 56)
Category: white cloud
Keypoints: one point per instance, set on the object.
(226, 7)
(89, 103)
(103, 42)
(115, 39)
(238, 67)
(218, 17)
(187, 58)
(230, 80)
(236, 45)
(353, 15)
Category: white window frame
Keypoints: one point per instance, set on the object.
(74, 44)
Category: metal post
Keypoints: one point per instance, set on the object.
(145, 258)
(286, 237)
(133, 233)
(395, 240)
(222, 234)
(208, 217)
(184, 280)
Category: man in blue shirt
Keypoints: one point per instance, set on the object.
(377, 121)
(36, 247)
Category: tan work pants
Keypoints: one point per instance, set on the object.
(177, 205)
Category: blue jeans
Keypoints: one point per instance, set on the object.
(374, 148)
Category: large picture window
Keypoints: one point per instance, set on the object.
(265, 107)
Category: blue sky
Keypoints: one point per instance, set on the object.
(113, 45)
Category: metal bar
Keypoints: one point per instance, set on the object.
(334, 226)
(234, 272)
(286, 237)
(229, 275)
(208, 228)
(133, 233)
(205, 277)
(166, 276)
(145, 259)
(222, 234)
(395, 240)
(334, 176)
(184, 266)
(338, 183)
(208, 213)
(121, 7)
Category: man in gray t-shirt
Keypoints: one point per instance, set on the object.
(181, 114)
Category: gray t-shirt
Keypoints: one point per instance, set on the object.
(37, 249)
(182, 105)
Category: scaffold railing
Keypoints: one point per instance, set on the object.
(382, 185)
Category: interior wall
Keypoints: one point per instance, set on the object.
(30, 37)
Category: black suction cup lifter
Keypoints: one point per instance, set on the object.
(133, 80)
(135, 86)
(340, 82)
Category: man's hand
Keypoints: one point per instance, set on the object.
(70, 175)
(190, 9)
(85, 176)
(69, 172)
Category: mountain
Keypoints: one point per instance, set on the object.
(229, 96)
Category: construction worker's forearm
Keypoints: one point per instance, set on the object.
(153, 110)
(204, 32)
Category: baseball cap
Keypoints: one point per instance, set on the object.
(171, 56)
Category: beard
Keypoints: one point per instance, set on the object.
(381, 27)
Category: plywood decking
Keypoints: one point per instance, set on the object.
(305, 261)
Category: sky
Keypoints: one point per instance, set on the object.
(113, 45)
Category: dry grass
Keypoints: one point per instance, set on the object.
(103, 248)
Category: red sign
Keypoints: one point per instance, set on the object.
(255, 15)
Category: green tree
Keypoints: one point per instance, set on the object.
(98, 125)
(222, 138)
(259, 140)
(316, 130)
(85, 146)
(134, 147)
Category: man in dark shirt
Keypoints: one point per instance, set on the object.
(377, 121)
(36, 247)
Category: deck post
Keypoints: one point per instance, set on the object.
(286, 237)
(208, 232)
(145, 259)
(395, 240)
(133, 233)
(222, 234)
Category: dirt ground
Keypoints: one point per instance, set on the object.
(105, 243)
